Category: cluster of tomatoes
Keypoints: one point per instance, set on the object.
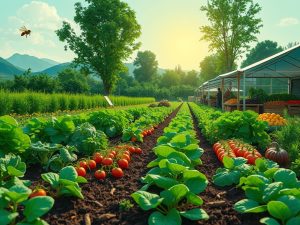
(236, 148)
(114, 161)
(148, 132)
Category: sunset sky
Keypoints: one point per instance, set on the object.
(170, 28)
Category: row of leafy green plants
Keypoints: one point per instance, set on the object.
(33, 102)
(55, 145)
(172, 185)
(268, 188)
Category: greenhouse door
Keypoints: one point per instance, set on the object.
(295, 88)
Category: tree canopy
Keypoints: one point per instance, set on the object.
(233, 25)
(146, 66)
(109, 30)
(262, 50)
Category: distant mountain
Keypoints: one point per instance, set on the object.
(8, 70)
(27, 61)
(54, 70)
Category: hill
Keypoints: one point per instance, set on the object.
(54, 70)
(8, 70)
(27, 61)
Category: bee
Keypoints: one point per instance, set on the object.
(24, 31)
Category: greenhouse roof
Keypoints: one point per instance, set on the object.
(285, 64)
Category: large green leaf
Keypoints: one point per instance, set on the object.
(271, 191)
(161, 181)
(68, 173)
(195, 181)
(287, 177)
(269, 221)
(146, 200)
(37, 207)
(292, 202)
(248, 205)
(163, 150)
(174, 195)
(195, 214)
(172, 218)
(279, 210)
(51, 178)
(7, 217)
(293, 221)
(18, 193)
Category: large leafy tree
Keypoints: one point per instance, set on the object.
(262, 50)
(233, 25)
(146, 64)
(109, 30)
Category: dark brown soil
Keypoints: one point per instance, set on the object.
(99, 204)
(219, 202)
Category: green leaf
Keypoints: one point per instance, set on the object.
(195, 181)
(163, 151)
(279, 210)
(287, 177)
(195, 214)
(174, 195)
(146, 200)
(248, 205)
(51, 178)
(175, 168)
(18, 193)
(269, 221)
(81, 180)
(292, 202)
(172, 218)
(225, 177)
(12, 171)
(73, 190)
(7, 217)
(194, 199)
(37, 207)
(161, 181)
(228, 162)
(68, 173)
(293, 221)
(271, 191)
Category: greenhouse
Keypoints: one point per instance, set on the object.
(277, 76)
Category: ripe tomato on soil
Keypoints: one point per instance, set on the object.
(83, 164)
(123, 163)
(98, 157)
(38, 192)
(92, 164)
(80, 171)
(138, 150)
(117, 172)
(107, 161)
(100, 174)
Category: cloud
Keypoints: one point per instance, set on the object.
(288, 21)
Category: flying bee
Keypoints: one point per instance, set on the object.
(24, 31)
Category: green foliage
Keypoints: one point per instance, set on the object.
(108, 33)
(88, 140)
(261, 51)
(173, 172)
(146, 66)
(125, 205)
(66, 182)
(33, 102)
(112, 123)
(12, 138)
(233, 26)
(11, 168)
(216, 125)
(258, 94)
(210, 67)
(13, 197)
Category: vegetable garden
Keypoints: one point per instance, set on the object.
(182, 164)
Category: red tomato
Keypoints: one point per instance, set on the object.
(80, 171)
(83, 164)
(38, 192)
(111, 155)
(133, 139)
(98, 157)
(107, 161)
(138, 150)
(131, 149)
(117, 172)
(114, 152)
(100, 174)
(145, 133)
(123, 163)
(127, 152)
(125, 156)
(92, 164)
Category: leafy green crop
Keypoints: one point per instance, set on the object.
(12, 138)
(66, 182)
(88, 140)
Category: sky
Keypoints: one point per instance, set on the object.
(170, 28)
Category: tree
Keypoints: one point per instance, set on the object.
(170, 78)
(291, 44)
(108, 36)
(146, 66)
(233, 26)
(262, 50)
(210, 67)
(72, 81)
(191, 79)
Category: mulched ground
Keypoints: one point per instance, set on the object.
(219, 202)
(99, 204)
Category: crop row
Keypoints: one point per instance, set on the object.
(173, 173)
(267, 187)
(32, 102)
(55, 145)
